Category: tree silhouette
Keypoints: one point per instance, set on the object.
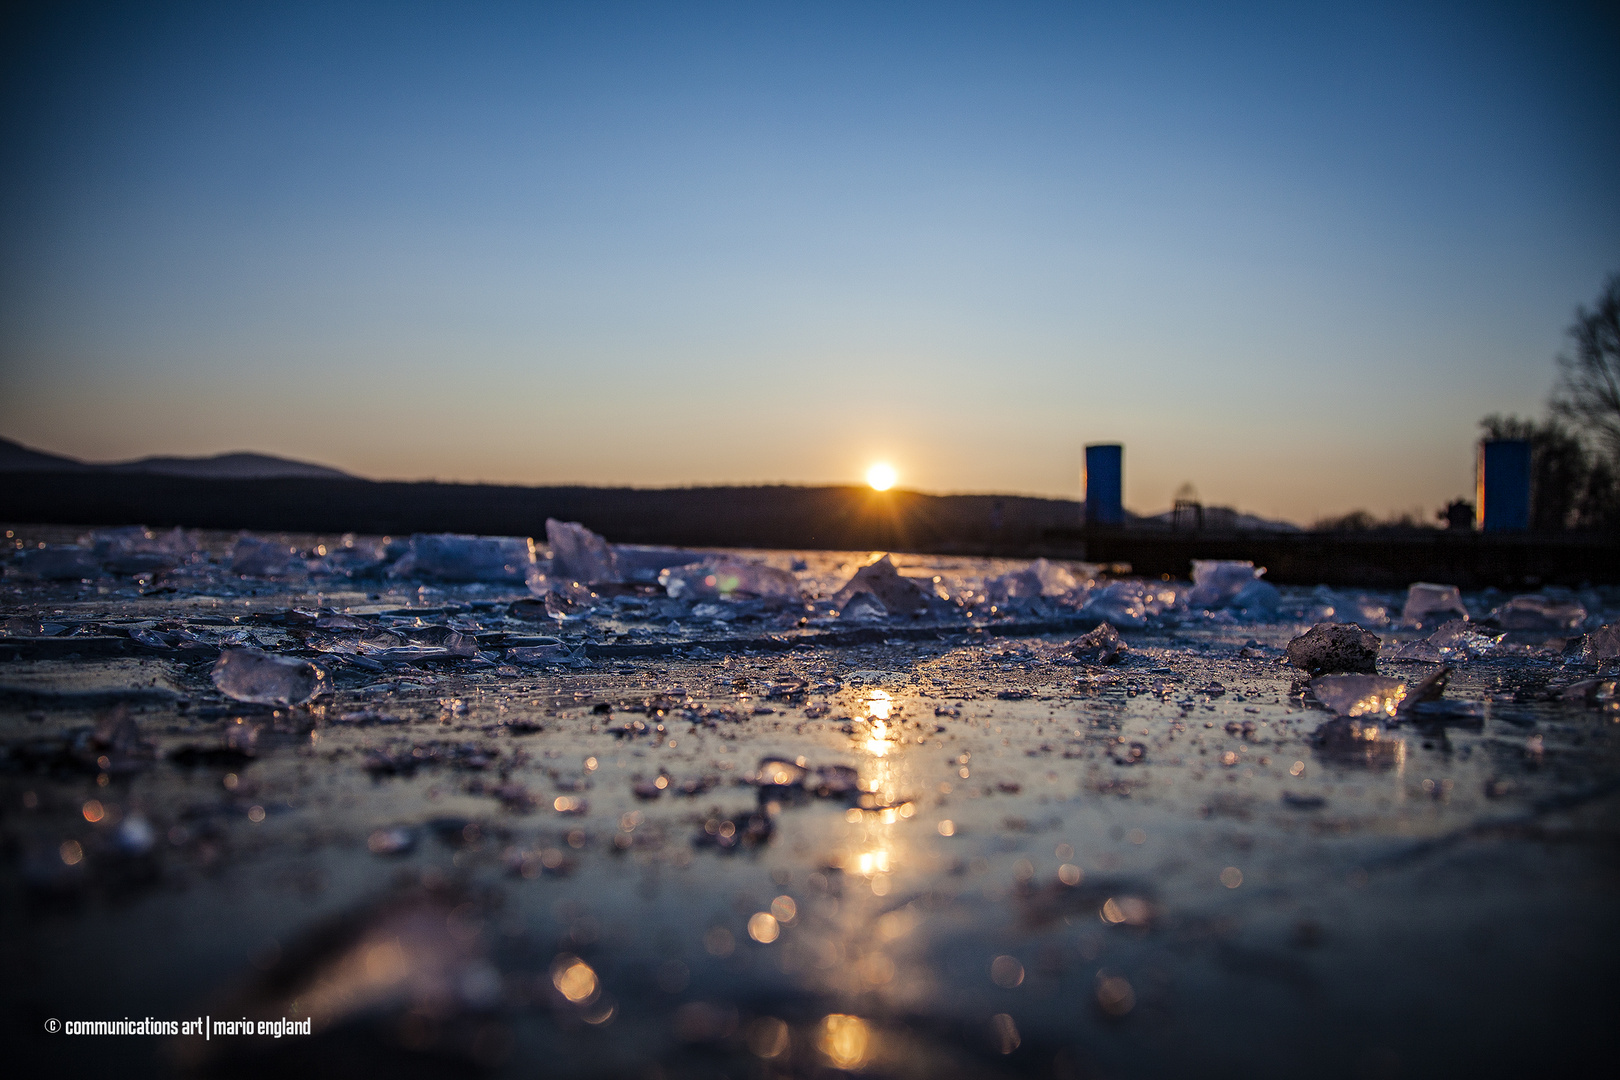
(1588, 391)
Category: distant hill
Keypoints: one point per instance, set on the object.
(1219, 518)
(15, 457)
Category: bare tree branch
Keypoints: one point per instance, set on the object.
(1588, 391)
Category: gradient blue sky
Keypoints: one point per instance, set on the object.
(1289, 253)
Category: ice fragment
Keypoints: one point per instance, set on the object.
(1541, 614)
(729, 579)
(1428, 604)
(262, 679)
(1329, 647)
(252, 557)
(1216, 582)
(457, 557)
(63, 563)
(1360, 695)
(899, 595)
(579, 554)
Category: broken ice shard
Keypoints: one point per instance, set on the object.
(1602, 644)
(864, 607)
(551, 652)
(1122, 603)
(1217, 582)
(455, 557)
(1542, 614)
(578, 554)
(880, 578)
(262, 679)
(1329, 647)
(135, 549)
(1258, 599)
(1428, 604)
(64, 563)
(252, 557)
(1101, 646)
(1462, 640)
(730, 579)
(1360, 695)
(642, 565)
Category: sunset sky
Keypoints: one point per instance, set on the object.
(1290, 253)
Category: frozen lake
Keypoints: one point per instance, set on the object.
(535, 827)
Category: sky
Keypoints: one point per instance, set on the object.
(1288, 253)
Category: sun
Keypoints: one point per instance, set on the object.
(881, 476)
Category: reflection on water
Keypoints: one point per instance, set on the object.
(846, 1040)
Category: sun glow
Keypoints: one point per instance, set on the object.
(881, 476)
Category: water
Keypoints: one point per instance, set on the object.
(701, 837)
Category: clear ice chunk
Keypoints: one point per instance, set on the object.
(262, 679)
(1602, 644)
(863, 607)
(1360, 695)
(461, 558)
(1122, 603)
(641, 565)
(355, 557)
(882, 579)
(1102, 645)
(580, 555)
(67, 562)
(1040, 578)
(1217, 582)
(135, 549)
(1428, 604)
(253, 557)
(730, 579)
(557, 653)
(1542, 614)
(1258, 599)
(1458, 639)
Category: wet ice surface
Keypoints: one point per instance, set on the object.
(618, 832)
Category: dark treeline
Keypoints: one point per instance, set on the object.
(850, 518)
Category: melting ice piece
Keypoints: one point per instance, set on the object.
(729, 579)
(1360, 695)
(899, 595)
(1101, 645)
(253, 557)
(457, 557)
(579, 554)
(355, 557)
(642, 565)
(1428, 604)
(1461, 639)
(1329, 647)
(135, 549)
(65, 563)
(568, 601)
(1123, 603)
(863, 607)
(1542, 614)
(1258, 599)
(540, 654)
(1217, 582)
(261, 679)
(1602, 644)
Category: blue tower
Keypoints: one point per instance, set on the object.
(1104, 484)
(1502, 485)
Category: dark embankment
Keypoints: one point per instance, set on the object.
(850, 518)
